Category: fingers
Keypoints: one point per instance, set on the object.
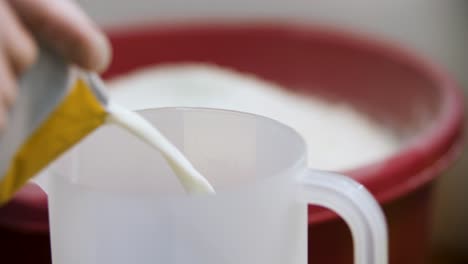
(66, 28)
(15, 41)
(17, 52)
(7, 89)
(58, 22)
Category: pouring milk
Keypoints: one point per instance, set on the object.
(189, 177)
(57, 107)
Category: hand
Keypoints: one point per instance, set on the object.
(60, 24)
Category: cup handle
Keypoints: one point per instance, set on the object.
(355, 205)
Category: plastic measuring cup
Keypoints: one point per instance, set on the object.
(113, 199)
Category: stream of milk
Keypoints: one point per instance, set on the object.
(189, 177)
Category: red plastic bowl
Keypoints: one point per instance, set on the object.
(402, 91)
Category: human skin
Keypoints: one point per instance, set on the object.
(61, 24)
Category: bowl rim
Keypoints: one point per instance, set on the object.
(418, 163)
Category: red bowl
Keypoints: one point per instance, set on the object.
(408, 94)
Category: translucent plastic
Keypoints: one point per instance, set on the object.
(114, 200)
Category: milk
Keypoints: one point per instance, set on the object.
(189, 177)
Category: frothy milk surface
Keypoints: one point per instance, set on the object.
(189, 177)
(338, 137)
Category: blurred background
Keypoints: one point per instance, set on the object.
(437, 29)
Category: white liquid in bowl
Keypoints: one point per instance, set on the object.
(338, 137)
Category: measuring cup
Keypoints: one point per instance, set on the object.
(113, 199)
